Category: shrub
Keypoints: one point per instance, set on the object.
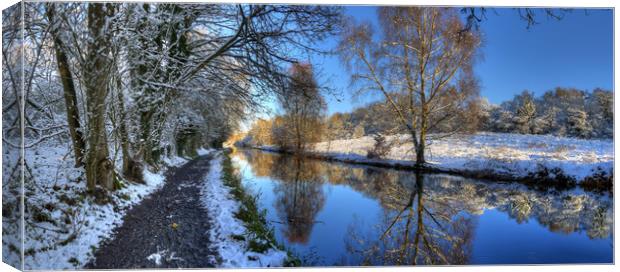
(599, 182)
(380, 149)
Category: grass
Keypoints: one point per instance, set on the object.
(259, 235)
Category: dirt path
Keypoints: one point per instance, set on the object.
(171, 221)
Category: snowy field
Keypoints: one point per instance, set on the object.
(64, 226)
(222, 207)
(508, 154)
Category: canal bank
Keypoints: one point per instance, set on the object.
(240, 233)
(539, 160)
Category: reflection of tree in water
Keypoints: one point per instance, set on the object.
(520, 208)
(262, 162)
(558, 211)
(563, 212)
(416, 231)
(436, 223)
(449, 199)
(299, 196)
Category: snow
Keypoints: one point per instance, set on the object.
(175, 161)
(508, 154)
(202, 151)
(217, 198)
(11, 188)
(156, 257)
(153, 182)
(160, 255)
(55, 182)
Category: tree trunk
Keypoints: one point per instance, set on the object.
(73, 115)
(132, 169)
(146, 146)
(421, 146)
(298, 136)
(124, 136)
(99, 168)
(420, 159)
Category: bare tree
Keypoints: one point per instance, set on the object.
(70, 94)
(304, 107)
(12, 142)
(96, 71)
(421, 64)
(475, 15)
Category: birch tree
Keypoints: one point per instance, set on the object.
(420, 61)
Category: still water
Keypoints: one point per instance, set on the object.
(331, 213)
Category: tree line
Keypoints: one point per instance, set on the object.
(566, 112)
(127, 84)
(562, 112)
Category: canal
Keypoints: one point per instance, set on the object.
(330, 213)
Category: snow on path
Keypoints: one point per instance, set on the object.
(98, 220)
(202, 151)
(222, 207)
(512, 154)
(91, 223)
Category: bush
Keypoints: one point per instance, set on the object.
(599, 182)
(380, 149)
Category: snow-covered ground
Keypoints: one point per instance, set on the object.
(174, 161)
(177, 161)
(222, 207)
(204, 151)
(508, 154)
(64, 225)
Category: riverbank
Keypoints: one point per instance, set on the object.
(239, 233)
(540, 160)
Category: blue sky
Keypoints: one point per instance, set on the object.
(576, 51)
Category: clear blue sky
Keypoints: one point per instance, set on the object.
(576, 51)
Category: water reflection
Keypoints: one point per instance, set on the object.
(299, 196)
(416, 229)
(422, 219)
